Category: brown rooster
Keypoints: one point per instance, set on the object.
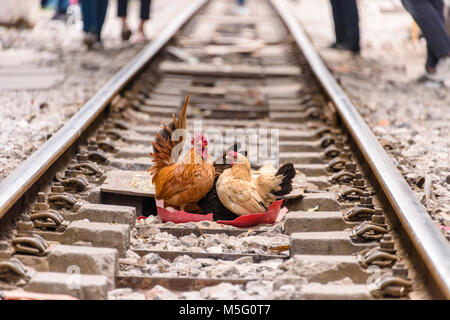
(242, 195)
(181, 184)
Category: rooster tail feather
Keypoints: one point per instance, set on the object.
(163, 144)
(182, 122)
(287, 170)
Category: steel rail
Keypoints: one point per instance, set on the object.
(13, 187)
(422, 231)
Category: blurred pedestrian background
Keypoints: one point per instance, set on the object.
(241, 8)
(122, 9)
(429, 15)
(346, 25)
(94, 12)
(60, 7)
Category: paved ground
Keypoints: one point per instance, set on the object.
(409, 116)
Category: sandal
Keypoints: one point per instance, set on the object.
(126, 34)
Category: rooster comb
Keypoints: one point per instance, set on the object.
(199, 137)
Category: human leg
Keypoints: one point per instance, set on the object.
(122, 10)
(339, 28)
(432, 24)
(351, 23)
(144, 15)
(102, 7)
(88, 12)
(145, 10)
(62, 6)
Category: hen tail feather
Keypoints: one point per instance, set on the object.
(287, 170)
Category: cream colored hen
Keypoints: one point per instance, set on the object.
(239, 193)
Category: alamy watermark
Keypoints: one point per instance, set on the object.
(260, 145)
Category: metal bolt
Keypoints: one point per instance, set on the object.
(82, 158)
(366, 199)
(100, 135)
(57, 188)
(350, 166)
(92, 146)
(339, 142)
(359, 183)
(25, 226)
(387, 243)
(5, 252)
(399, 270)
(358, 180)
(387, 237)
(346, 150)
(41, 197)
(41, 204)
(70, 173)
(378, 217)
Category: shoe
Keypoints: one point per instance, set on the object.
(430, 65)
(336, 45)
(126, 34)
(59, 16)
(89, 39)
(442, 70)
(345, 47)
(140, 37)
(98, 46)
(429, 82)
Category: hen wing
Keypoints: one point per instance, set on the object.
(242, 197)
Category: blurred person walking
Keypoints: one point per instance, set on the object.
(94, 12)
(61, 10)
(429, 15)
(346, 25)
(60, 7)
(122, 9)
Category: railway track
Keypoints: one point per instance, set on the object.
(68, 215)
